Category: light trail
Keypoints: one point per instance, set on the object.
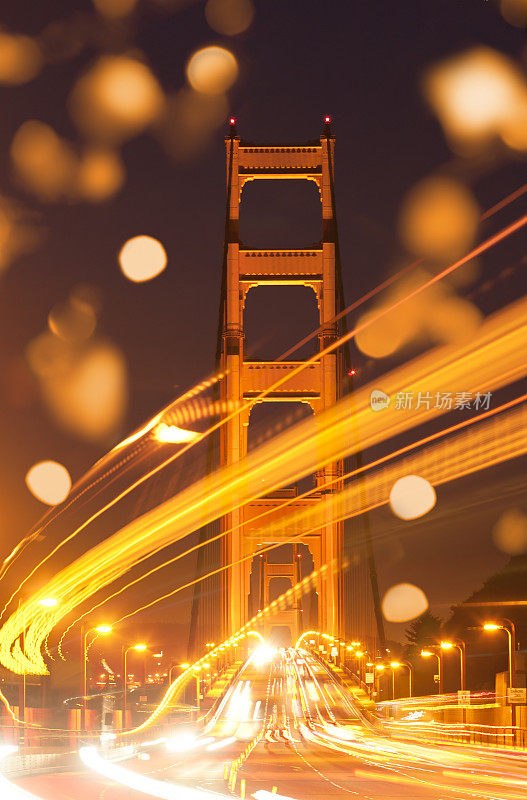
(434, 465)
(142, 783)
(491, 360)
(487, 244)
(11, 791)
(393, 278)
(292, 501)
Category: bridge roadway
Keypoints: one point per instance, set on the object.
(313, 743)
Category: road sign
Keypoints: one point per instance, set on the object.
(517, 695)
(369, 677)
(334, 651)
(463, 697)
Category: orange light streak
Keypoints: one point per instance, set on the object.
(487, 244)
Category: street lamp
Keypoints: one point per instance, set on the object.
(139, 648)
(427, 654)
(395, 665)
(501, 625)
(460, 645)
(101, 630)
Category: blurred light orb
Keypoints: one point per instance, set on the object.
(114, 9)
(404, 602)
(382, 337)
(100, 175)
(412, 497)
(72, 321)
(142, 258)
(15, 235)
(49, 482)
(439, 219)
(188, 122)
(49, 356)
(514, 128)
(89, 398)
(116, 99)
(229, 17)
(473, 93)
(510, 532)
(44, 162)
(453, 320)
(212, 70)
(20, 58)
(514, 12)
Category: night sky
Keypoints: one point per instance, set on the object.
(361, 61)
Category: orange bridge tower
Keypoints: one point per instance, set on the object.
(319, 385)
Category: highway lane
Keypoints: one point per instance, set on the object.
(311, 740)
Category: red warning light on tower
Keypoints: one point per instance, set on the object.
(327, 120)
(352, 372)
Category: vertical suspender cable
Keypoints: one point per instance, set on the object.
(347, 365)
(214, 630)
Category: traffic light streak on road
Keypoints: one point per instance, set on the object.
(491, 360)
(311, 737)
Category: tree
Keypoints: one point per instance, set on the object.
(423, 632)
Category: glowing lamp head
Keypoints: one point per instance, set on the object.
(379, 667)
(446, 645)
(359, 654)
(426, 653)
(48, 602)
(355, 644)
(140, 647)
(103, 629)
(491, 626)
(394, 664)
(184, 666)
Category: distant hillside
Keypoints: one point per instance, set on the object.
(487, 651)
(507, 585)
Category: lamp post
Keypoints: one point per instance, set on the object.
(378, 669)
(139, 648)
(102, 630)
(501, 625)
(459, 645)
(427, 654)
(359, 655)
(410, 677)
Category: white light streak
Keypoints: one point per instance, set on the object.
(140, 783)
(8, 790)
(222, 743)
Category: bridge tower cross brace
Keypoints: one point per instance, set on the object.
(319, 386)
